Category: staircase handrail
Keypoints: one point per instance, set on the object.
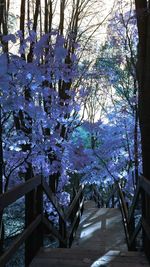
(68, 221)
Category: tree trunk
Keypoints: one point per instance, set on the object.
(1, 187)
(136, 156)
(3, 31)
(143, 69)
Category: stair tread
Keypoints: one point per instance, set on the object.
(99, 241)
(84, 257)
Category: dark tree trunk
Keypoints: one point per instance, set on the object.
(30, 244)
(143, 20)
(3, 31)
(136, 156)
(3, 23)
(1, 186)
(35, 24)
(22, 22)
(143, 70)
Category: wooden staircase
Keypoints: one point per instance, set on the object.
(99, 241)
(88, 258)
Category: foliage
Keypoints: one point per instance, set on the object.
(63, 115)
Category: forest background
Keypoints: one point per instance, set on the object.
(68, 98)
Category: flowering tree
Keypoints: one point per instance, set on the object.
(45, 85)
(118, 61)
(114, 149)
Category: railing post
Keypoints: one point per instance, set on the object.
(29, 243)
(131, 229)
(39, 211)
(78, 210)
(98, 201)
(144, 217)
(74, 193)
(73, 211)
(147, 219)
(63, 232)
(1, 234)
(30, 211)
(112, 201)
(80, 202)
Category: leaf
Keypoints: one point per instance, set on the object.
(9, 37)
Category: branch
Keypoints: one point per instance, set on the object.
(105, 165)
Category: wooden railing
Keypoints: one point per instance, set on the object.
(132, 229)
(33, 235)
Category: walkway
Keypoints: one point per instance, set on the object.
(101, 227)
(99, 242)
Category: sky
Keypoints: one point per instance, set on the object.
(98, 10)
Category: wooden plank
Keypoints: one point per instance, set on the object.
(39, 210)
(61, 252)
(72, 253)
(19, 241)
(86, 263)
(123, 203)
(135, 233)
(125, 225)
(53, 199)
(71, 207)
(62, 232)
(145, 184)
(75, 220)
(87, 258)
(101, 240)
(98, 196)
(146, 228)
(53, 231)
(115, 189)
(134, 203)
(101, 227)
(19, 191)
(30, 214)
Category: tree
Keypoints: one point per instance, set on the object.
(117, 59)
(142, 11)
(143, 68)
(38, 101)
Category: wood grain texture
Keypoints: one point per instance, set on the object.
(99, 242)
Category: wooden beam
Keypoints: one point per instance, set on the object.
(135, 233)
(18, 242)
(134, 203)
(125, 224)
(123, 203)
(146, 228)
(75, 219)
(71, 207)
(115, 189)
(11, 196)
(53, 199)
(145, 184)
(51, 228)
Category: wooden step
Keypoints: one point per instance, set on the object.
(88, 258)
(99, 242)
(101, 229)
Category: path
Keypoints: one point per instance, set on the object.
(99, 242)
